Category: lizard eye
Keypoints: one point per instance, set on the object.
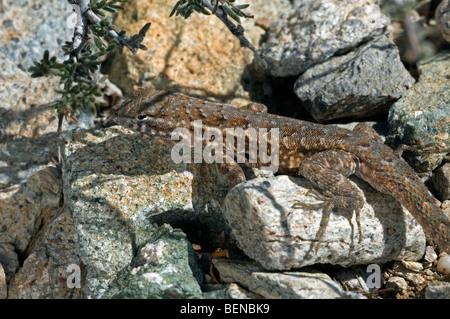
(141, 117)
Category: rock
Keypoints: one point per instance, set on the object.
(229, 291)
(443, 18)
(28, 138)
(9, 260)
(300, 285)
(313, 31)
(31, 27)
(441, 181)
(23, 109)
(398, 284)
(261, 218)
(430, 254)
(305, 285)
(438, 290)
(164, 268)
(25, 209)
(359, 84)
(3, 286)
(412, 265)
(355, 278)
(116, 196)
(198, 56)
(443, 265)
(45, 274)
(420, 117)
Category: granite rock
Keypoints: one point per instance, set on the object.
(361, 83)
(438, 290)
(420, 118)
(283, 285)
(45, 274)
(198, 56)
(261, 218)
(165, 267)
(228, 291)
(441, 182)
(25, 209)
(31, 27)
(313, 31)
(3, 286)
(115, 197)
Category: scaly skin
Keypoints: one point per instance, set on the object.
(325, 155)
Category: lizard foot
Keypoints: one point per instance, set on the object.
(328, 202)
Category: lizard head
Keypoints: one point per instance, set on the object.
(145, 111)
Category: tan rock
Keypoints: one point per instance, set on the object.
(197, 56)
(46, 272)
(24, 210)
(23, 102)
(3, 287)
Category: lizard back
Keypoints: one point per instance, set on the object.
(158, 113)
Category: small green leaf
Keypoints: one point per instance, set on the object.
(231, 13)
(98, 42)
(110, 10)
(216, 5)
(183, 6)
(174, 8)
(145, 28)
(201, 9)
(115, 6)
(242, 6)
(111, 47)
(92, 108)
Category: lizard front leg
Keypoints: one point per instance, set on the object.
(329, 170)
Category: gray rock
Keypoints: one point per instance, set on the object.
(31, 27)
(305, 285)
(302, 285)
(165, 267)
(441, 182)
(420, 117)
(116, 196)
(228, 291)
(9, 260)
(267, 228)
(313, 31)
(437, 290)
(361, 83)
(356, 279)
(442, 15)
(398, 284)
(3, 286)
(28, 138)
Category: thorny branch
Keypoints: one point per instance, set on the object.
(236, 30)
(88, 17)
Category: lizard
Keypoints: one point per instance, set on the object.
(323, 154)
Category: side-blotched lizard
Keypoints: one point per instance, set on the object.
(323, 154)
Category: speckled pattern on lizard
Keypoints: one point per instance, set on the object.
(323, 154)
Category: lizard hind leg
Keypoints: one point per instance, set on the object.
(329, 170)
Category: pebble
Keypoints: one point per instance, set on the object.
(397, 283)
(443, 265)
